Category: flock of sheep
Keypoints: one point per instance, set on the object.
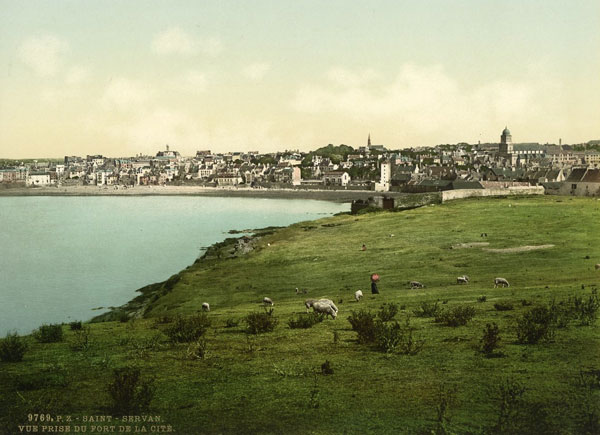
(327, 307)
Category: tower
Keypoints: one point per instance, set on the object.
(506, 145)
(369, 140)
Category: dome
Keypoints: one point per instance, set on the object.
(506, 131)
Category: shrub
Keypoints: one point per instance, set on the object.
(75, 326)
(12, 348)
(526, 303)
(363, 322)
(197, 350)
(163, 320)
(427, 309)
(446, 397)
(326, 368)
(129, 392)
(232, 323)
(123, 317)
(535, 325)
(387, 312)
(482, 298)
(258, 322)
(457, 316)
(510, 393)
(82, 339)
(503, 306)
(49, 333)
(587, 310)
(388, 336)
(491, 338)
(187, 329)
(305, 321)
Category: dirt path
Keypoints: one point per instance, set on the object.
(519, 249)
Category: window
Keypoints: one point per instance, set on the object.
(573, 186)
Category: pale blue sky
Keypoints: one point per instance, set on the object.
(122, 77)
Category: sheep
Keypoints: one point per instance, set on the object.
(297, 291)
(416, 284)
(205, 306)
(357, 295)
(309, 303)
(324, 308)
(597, 266)
(330, 302)
(462, 279)
(502, 282)
(267, 301)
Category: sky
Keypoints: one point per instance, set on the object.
(122, 78)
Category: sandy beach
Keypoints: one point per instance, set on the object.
(325, 195)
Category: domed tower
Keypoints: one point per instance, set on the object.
(506, 146)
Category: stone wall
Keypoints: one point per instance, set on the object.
(449, 195)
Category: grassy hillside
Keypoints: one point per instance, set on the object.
(274, 382)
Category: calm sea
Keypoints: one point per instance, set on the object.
(63, 256)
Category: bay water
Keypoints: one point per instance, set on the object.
(64, 257)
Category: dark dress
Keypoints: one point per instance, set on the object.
(374, 288)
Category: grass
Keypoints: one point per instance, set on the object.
(274, 383)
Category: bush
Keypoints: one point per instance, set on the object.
(427, 309)
(128, 392)
(503, 306)
(397, 338)
(387, 312)
(587, 310)
(82, 339)
(49, 333)
(232, 323)
(326, 368)
(197, 350)
(75, 326)
(457, 316)
(535, 325)
(188, 329)
(258, 322)
(491, 338)
(12, 348)
(363, 322)
(510, 398)
(305, 321)
(482, 298)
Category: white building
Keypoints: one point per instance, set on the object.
(38, 179)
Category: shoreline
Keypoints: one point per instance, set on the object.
(323, 195)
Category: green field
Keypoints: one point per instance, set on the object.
(274, 382)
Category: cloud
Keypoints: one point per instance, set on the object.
(176, 41)
(424, 101)
(43, 54)
(345, 77)
(192, 81)
(125, 94)
(256, 71)
(77, 75)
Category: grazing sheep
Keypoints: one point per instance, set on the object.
(324, 308)
(502, 282)
(297, 291)
(309, 303)
(357, 295)
(268, 301)
(416, 284)
(330, 302)
(205, 306)
(462, 279)
(597, 266)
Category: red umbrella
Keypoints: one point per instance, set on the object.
(374, 277)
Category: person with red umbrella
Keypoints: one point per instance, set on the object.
(374, 279)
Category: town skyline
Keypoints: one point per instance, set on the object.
(127, 78)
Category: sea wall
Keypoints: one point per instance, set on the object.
(449, 195)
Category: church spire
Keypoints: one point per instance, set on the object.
(369, 140)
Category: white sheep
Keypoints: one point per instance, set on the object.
(416, 284)
(205, 306)
(597, 266)
(330, 302)
(309, 303)
(267, 301)
(324, 308)
(462, 279)
(357, 295)
(502, 282)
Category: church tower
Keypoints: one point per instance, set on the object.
(506, 145)
(369, 140)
